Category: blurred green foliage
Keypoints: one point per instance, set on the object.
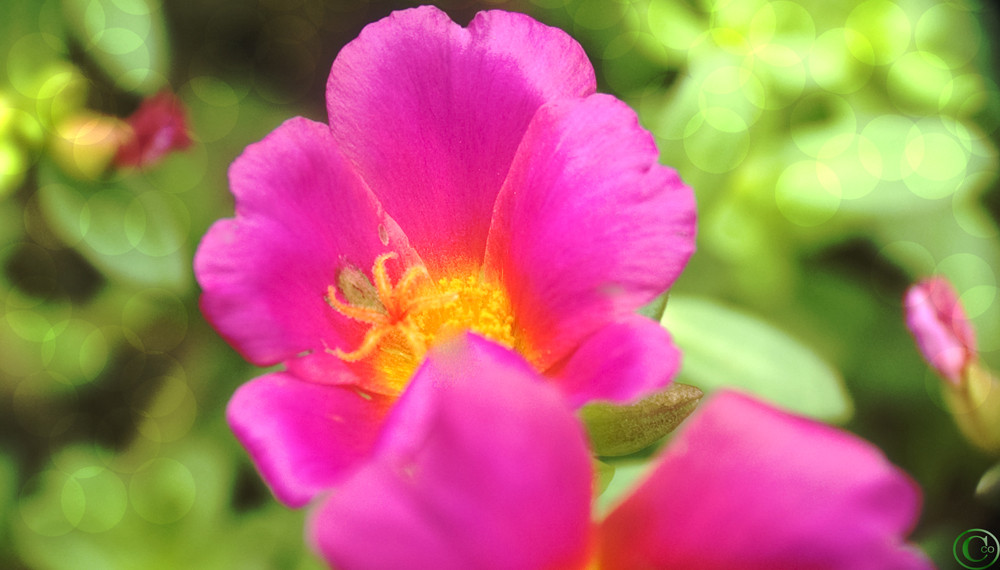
(839, 150)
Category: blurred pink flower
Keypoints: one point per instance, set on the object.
(486, 467)
(469, 179)
(940, 327)
(158, 127)
(947, 341)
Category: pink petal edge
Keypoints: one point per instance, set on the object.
(622, 362)
(304, 437)
(588, 226)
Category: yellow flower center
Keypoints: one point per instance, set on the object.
(407, 318)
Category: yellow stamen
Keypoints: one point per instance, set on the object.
(410, 316)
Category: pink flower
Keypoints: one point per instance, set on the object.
(940, 327)
(158, 127)
(468, 180)
(948, 342)
(486, 467)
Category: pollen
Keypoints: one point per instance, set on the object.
(406, 318)
(472, 305)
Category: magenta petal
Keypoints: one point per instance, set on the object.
(483, 466)
(302, 214)
(588, 227)
(431, 114)
(304, 437)
(940, 327)
(621, 362)
(744, 485)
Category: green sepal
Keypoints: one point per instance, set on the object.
(617, 430)
(975, 405)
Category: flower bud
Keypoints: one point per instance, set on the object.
(620, 430)
(947, 341)
(159, 126)
(940, 327)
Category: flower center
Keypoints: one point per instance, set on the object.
(405, 319)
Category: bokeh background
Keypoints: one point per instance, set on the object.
(839, 150)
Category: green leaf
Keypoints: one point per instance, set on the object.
(127, 38)
(616, 430)
(725, 348)
(124, 228)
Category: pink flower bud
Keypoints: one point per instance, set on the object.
(940, 327)
(159, 126)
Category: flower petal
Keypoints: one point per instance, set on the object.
(302, 215)
(483, 466)
(744, 485)
(431, 115)
(588, 227)
(939, 325)
(622, 362)
(304, 437)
